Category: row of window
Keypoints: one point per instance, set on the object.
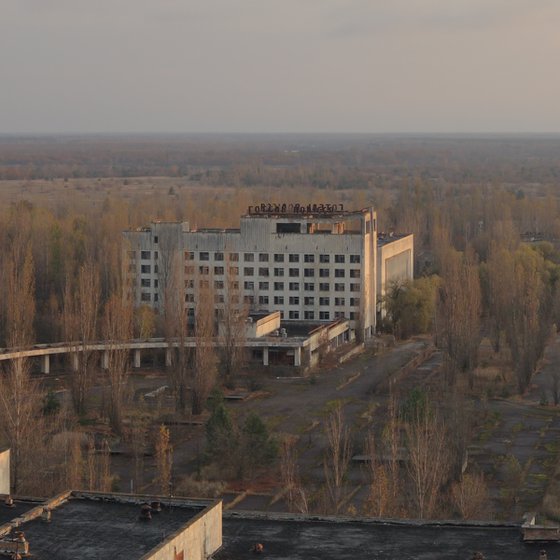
(265, 272)
(264, 257)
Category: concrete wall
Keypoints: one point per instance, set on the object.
(401, 249)
(198, 541)
(5, 472)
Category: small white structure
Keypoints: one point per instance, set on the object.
(5, 472)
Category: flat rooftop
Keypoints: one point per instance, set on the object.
(386, 238)
(306, 539)
(102, 527)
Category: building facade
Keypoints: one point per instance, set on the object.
(310, 263)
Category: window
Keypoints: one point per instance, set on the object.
(339, 273)
(218, 270)
(354, 287)
(308, 258)
(339, 258)
(145, 255)
(234, 257)
(294, 286)
(218, 285)
(145, 297)
(339, 287)
(354, 316)
(294, 315)
(355, 259)
(324, 315)
(218, 256)
(294, 258)
(248, 285)
(248, 271)
(263, 300)
(355, 301)
(324, 272)
(145, 269)
(263, 257)
(278, 272)
(338, 314)
(235, 286)
(309, 301)
(340, 301)
(189, 270)
(189, 283)
(323, 287)
(278, 286)
(156, 239)
(204, 256)
(156, 255)
(294, 272)
(156, 297)
(310, 315)
(204, 284)
(145, 283)
(189, 298)
(324, 301)
(263, 271)
(234, 270)
(204, 269)
(279, 257)
(156, 283)
(294, 300)
(249, 300)
(263, 285)
(307, 287)
(234, 298)
(249, 257)
(309, 272)
(324, 258)
(218, 298)
(189, 255)
(355, 273)
(155, 269)
(131, 254)
(278, 300)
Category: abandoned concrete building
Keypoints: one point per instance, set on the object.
(310, 263)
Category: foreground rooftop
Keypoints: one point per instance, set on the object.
(286, 537)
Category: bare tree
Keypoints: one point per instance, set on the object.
(19, 395)
(470, 496)
(337, 456)
(232, 319)
(117, 329)
(205, 357)
(295, 494)
(164, 460)
(428, 459)
(176, 332)
(81, 307)
(459, 314)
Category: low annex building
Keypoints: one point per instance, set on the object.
(308, 262)
(90, 525)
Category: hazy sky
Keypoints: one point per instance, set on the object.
(279, 65)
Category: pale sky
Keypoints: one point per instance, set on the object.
(279, 66)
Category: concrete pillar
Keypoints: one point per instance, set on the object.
(265, 356)
(75, 361)
(45, 364)
(105, 359)
(137, 358)
(297, 357)
(168, 357)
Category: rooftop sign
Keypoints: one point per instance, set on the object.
(268, 208)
